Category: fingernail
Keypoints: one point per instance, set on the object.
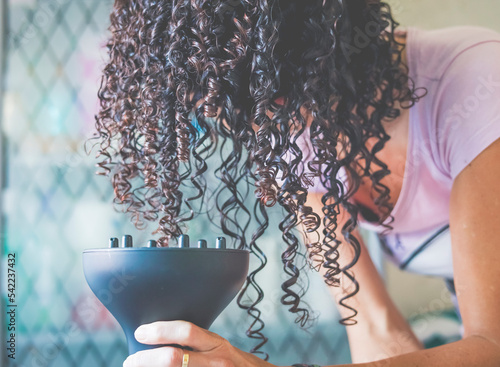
(141, 333)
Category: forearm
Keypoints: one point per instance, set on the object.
(471, 351)
(381, 330)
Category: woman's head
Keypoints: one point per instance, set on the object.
(245, 71)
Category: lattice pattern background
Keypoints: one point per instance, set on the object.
(55, 206)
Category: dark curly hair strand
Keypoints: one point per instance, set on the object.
(188, 78)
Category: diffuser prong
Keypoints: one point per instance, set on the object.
(183, 241)
(113, 242)
(127, 241)
(220, 243)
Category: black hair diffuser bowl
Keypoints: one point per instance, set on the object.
(148, 284)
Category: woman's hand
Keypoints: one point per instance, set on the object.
(208, 349)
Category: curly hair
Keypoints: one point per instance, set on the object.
(190, 78)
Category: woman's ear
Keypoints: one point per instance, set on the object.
(280, 100)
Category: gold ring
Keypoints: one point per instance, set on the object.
(185, 360)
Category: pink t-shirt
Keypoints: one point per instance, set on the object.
(457, 119)
(449, 127)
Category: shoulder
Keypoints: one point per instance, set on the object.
(462, 69)
(433, 52)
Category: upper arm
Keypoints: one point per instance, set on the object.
(475, 234)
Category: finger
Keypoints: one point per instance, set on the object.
(170, 357)
(178, 332)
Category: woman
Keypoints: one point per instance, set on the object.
(339, 119)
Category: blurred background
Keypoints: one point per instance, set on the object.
(53, 206)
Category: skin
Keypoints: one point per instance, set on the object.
(382, 337)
